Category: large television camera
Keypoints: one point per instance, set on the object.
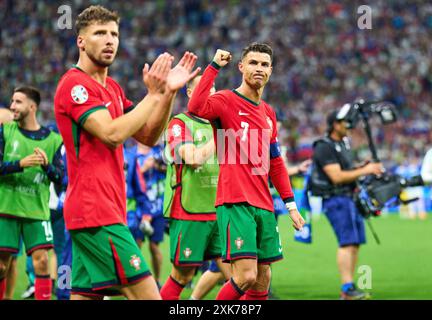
(373, 193)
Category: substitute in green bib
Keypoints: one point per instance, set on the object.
(190, 194)
(30, 159)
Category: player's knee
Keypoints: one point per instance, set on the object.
(247, 279)
(183, 275)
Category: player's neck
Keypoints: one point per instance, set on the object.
(96, 72)
(29, 123)
(250, 93)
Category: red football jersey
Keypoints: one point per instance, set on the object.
(245, 132)
(178, 134)
(96, 193)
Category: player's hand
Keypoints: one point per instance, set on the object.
(32, 160)
(182, 73)
(155, 77)
(375, 168)
(222, 57)
(297, 219)
(304, 166)
(42, 153)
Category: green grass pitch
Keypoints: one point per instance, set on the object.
(401, 266)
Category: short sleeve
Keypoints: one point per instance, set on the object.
(80, 99)
(178, 134)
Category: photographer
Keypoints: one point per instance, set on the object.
(334, 179)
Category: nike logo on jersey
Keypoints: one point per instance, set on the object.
(108, 104)
(243, 113)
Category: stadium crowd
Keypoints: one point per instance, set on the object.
(322, 58)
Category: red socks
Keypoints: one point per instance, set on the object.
(2, 288)
(43, 287)
(255, 295)
(229, 291)
(171, 290)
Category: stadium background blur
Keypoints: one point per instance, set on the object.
(322, 59)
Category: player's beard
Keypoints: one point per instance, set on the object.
(99, 62)
(21, 115)
(256, 85)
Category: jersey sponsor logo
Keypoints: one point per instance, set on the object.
(241, 113)
(239, 243)
(79, 94)
(176, 130)
(135, 262)
(187, 252)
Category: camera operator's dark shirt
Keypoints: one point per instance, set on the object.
(331, 152)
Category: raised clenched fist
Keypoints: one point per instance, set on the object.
(222, 57)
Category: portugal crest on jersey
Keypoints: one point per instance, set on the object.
(187, 252)
(135, 262)
(239, 243)
(79, 94)
(176, 130)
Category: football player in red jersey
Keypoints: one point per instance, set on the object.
(95, 118)
(248, 228)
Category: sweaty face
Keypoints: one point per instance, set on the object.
(100, 42)
(20, 106)
(256, 68)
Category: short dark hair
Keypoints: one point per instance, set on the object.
(258, 47)
(95, 14)
(30, 92)
(192, 81)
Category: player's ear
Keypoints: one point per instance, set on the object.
(240, 66)
(189, 92)
(81, 42)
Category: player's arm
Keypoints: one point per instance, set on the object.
(279, 177)
(31, 160)
(201, 103)
(55, 170)
(183, 150)
(5, 115)
(328, 160)
(148, 164)
(151, 131)
(196, 156)
(113, 132)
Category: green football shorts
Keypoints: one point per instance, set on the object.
(248, 232)
(36, 234)
(192, 242)
(104, 258)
